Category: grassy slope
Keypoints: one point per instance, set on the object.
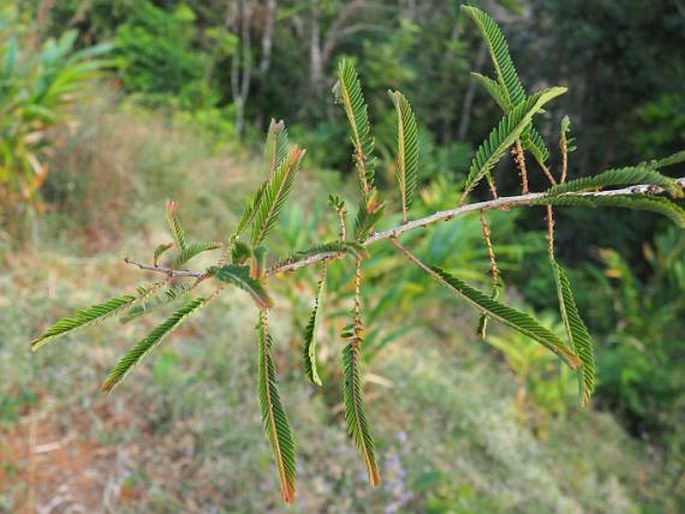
(183, 434)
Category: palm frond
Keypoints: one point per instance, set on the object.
(240, 277)
(134, 356)
(502, 137)
(276, 425)
(407, 150)
(619, 177)
(309, 347)
(275, 195)
(83, 318)
(175, 224)
(577, 333)
(348, 92)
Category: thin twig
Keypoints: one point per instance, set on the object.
(499, 203)
(487, 236)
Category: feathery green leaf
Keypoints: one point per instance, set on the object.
(175, 224)
(640, 202)
(275, 148)
(366, 218)
(275, 195)
(159, 298)
(145, 346)
(494, 90)
(407, 150)
(276, 425)
(577, 333)
(513, 90)
(309, 347)
(355, 415)
(513, 318)
(159, 251)
(348, 92)
(619, 177)
(502, 137)
(240, 276)
(83, 318)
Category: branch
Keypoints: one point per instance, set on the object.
(395, 232)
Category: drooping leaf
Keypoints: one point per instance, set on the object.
(134, 356)
(619, 177)
(193, 249)
(352, 248)
(640, 202)
(84, 318)
(407, 150)
(513, 318)
(348, 92)
(309, 347)
(355, 411)
(577, 333)
(502, 137)
(276, 425)
(240, 276)
(175, 224)
(275, 195)
(240, 253)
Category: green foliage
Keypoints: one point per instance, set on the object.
(519, 321)
(83, 318)
(38, 87)
(157, 297)
(355, 415)
(276, 192)
(192, 250)
(508, 91)
(309, 346)
(276, 424)
(619, 177)
(502, 137)
(351, 248)
(637, 201)
(250, 268)
(407, 150)
(240, 277)
(349, 93)
(577, 333)
(124, 366)
(159, 58)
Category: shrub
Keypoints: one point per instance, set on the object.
(243, 263)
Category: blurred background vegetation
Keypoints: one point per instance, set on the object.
(107, 107)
